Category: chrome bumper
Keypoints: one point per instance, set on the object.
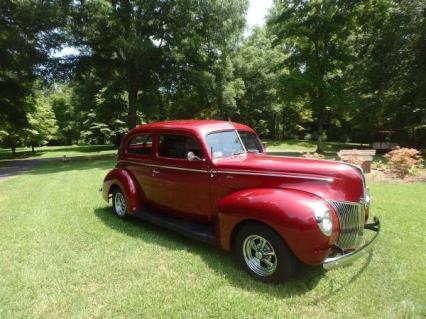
(346, 259)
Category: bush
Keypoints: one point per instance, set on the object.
(404, 161)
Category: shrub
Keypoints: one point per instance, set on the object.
(313, 156)
(379, 165)
(404, 160)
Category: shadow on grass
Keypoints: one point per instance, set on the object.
(27, 153)
(335, 288)
(219, 261)
(80, 148)
(57, 166)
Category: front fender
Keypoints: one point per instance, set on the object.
(289, 212)
(128, 184)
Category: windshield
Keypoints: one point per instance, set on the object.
(224, 144)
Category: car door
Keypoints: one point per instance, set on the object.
(179, 186)
(139, 158)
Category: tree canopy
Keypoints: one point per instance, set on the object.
(319, 69)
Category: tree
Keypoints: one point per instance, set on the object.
(42, 124)
(389, 75)
(256, 65)
(140, 42)
(315, 33)
(28, 32)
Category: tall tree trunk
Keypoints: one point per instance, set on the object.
(132, 96)
(283, 123)
(320, 146)
(273, 126)
(32, 148)
(13, 150)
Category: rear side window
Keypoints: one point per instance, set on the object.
(178, 146)
(251, 142)
(140, 145)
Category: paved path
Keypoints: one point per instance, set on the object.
(9, 168)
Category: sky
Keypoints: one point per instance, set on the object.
(255, 16)
(257, 12)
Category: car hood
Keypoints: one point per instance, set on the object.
(344, 181)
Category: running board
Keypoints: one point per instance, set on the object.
(198, 231)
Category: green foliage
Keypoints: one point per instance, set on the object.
(330, 69)
(389, 75)
(28, 30)
(65, 113)
(316, 35)
(144, 46)
(256, 65)
(42, 124)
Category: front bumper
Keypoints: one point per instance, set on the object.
(348, 258)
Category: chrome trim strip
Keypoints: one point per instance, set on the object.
(167, 167)
(346, 259)
(273, 175)
(230, 172)
(241, 141)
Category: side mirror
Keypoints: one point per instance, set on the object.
(192, 157)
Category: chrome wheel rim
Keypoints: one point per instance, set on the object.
(259, 255)
(120, 204)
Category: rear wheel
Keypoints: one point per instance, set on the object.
(264, 254)
(119, 203)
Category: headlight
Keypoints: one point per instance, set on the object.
(323, 218)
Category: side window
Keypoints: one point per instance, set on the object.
(251, 142)
(140, 145)
(178, 146)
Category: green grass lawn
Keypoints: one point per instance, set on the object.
(64, 254)
(58, 151)
(310, 146)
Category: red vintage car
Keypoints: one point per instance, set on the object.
(213, 181)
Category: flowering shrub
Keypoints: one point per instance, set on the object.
(404, 161)
(313, 156)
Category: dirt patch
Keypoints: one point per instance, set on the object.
(387, 176)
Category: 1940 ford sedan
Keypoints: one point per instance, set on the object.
(213, 181)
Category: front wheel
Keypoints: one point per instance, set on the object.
(119, 203)
(264, 254)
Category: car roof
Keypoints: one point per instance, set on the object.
(199, 127)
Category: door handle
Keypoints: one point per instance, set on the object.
(155, 172)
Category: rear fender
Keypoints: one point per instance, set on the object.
(288, 212)
(128, 184)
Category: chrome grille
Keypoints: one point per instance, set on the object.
(351, 220)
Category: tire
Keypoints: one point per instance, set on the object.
(119, 203)
(264, 254)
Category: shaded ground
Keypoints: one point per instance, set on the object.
(9, 168)
(57, 151)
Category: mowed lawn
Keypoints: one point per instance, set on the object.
(64, 254)
(310, 146)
